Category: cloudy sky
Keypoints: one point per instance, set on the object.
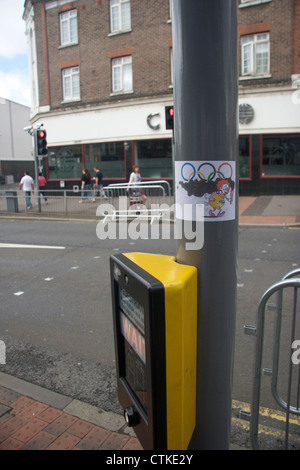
(14, 74)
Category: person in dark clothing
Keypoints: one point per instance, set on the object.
(86, 185)
(98, 184)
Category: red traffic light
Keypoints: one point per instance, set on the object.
(41, 142)
(169, 114)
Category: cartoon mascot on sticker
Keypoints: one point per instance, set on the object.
(217, 199)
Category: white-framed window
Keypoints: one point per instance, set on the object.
(247, 3)
(170, 9)
(172, 66)
(122, 74)
(71, 84)
(120, 16)
(255, 54)
(68, 28)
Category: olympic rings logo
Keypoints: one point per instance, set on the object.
(205, 172)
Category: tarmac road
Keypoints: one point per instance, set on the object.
(58, 332)
(58, 329)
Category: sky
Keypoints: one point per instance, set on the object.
(14, 72)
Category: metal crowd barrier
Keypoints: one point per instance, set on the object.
(66, 202)
(153, 192)
(283, 356)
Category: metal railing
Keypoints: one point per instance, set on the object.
(285, 363)
(75, 202)
(154, 192)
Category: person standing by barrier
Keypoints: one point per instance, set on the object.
(42, 186)
(27, 184)
(85, 185)
(98, 184)
(135, 179)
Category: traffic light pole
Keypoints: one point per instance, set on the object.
(206, 172)
(36, 170)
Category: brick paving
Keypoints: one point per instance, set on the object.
(27, 424)
(269, 210)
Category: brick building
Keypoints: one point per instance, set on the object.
(101, 73)
(269, 96)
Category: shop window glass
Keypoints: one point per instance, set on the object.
(244, 157)
(108, 157)
(65, 162)
(154, 158)
(281, 155)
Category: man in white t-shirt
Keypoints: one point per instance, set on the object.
(27, 184)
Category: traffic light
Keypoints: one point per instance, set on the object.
(41, 142)
(169, 110)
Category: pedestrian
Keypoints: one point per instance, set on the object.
(135, 177)
(42, 186)
(98, 184)
(86, 185)
(134, 185)
(27, 184)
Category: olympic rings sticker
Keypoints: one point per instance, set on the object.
(211, 183)
(188, 171)
(206, 171)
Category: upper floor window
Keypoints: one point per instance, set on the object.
(253, 2)
(68, 28)
(120, 15)
(71, 84)
(122, 74)
(255, 54)
(170, 9)
(172, 66)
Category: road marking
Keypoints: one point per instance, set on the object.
(48, 278)
(266, 412)
(19, 293)
(46, 247)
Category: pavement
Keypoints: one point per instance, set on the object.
(269, 210)
(33, 418)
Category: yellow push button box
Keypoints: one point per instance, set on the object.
(155, 328)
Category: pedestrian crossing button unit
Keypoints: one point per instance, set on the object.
(154, 302)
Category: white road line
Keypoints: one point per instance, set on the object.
(45, 247)
(19, 293)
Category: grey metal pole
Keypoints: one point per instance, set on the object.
(206, 172)
(36, 171)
